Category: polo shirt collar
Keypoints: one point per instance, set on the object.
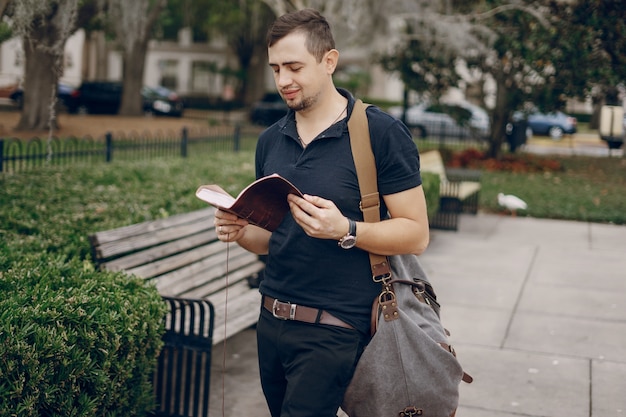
(287, 124)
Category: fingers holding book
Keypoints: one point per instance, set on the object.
(228, 226)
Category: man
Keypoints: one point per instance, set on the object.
(317, 287)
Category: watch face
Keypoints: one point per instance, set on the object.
(348, 242)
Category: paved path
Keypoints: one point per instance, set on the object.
(537, 312)
(588, 144)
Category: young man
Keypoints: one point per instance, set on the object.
(317, 287)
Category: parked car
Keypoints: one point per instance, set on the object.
(64, 95)
(460, 120)
(106, 96)
(102, 97)
(268, 110)
(553, 124)
(162, 101)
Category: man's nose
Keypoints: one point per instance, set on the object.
(283, 79)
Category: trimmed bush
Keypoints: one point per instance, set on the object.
(431, 183)
(76, 342)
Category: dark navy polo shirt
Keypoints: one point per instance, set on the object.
(317, 272)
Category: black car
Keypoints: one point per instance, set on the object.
(102, 97)
(268, 110)
(162, 101)
(105, 97)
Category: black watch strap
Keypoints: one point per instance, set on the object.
(351, 227)
(349, 240)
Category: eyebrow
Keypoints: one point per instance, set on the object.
(271, 64)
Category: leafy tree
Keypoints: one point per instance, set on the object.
(242, 23)
(518, 58)
(193, 14)
(430, 75)
(592, 46)
(507, 42)
(5, 29)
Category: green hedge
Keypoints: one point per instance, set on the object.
(76, 342)
(431, 184)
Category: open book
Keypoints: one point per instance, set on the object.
(262, 203)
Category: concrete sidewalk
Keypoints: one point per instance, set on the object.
(588, 144)
(537, 312)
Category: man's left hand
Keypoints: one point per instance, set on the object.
(318, 217)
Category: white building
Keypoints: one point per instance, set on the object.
(184, 66)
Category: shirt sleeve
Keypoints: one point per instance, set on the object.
(397, 156)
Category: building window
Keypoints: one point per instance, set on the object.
(204, 77)
(169, 73)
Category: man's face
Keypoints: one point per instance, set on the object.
(298, 76)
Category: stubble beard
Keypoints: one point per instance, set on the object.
(304, 104)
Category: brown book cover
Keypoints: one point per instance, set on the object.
(262, 203)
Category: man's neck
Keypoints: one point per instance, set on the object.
(315, 120)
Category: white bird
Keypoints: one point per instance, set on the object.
(511, 203)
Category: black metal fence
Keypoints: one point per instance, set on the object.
(19, 155)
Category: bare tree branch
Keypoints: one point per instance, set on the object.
(506, 7)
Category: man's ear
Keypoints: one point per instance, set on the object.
(330, 60)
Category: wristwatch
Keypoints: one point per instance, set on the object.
(349, 240)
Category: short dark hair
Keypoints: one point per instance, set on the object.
(319, 37)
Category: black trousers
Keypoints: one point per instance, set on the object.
(305, 368)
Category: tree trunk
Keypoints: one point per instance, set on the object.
(500, 119)
(40, 80)
(256, 86)
(134, 64)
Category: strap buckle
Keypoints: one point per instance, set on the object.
(276, 308)
(381, 272)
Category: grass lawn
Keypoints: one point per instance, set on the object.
(586, 189)
(52, 211)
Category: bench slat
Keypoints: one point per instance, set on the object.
(240, 315)
(176, 262)
(153, 238)
(203, 274)
(104, 237)
(467, 189)
(218, 286)
(159, 252)
(225, 295)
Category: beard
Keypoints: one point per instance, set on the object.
(304, 104)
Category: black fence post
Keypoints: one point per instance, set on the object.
(1, 154)
(237, 138)
(109, 146)
(183, 142)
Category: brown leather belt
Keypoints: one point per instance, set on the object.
(289, 311)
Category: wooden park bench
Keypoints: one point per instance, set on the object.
(183, 258)
(458, 192)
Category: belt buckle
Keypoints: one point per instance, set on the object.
(292, 310)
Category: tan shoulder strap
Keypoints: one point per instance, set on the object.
(365, 163)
